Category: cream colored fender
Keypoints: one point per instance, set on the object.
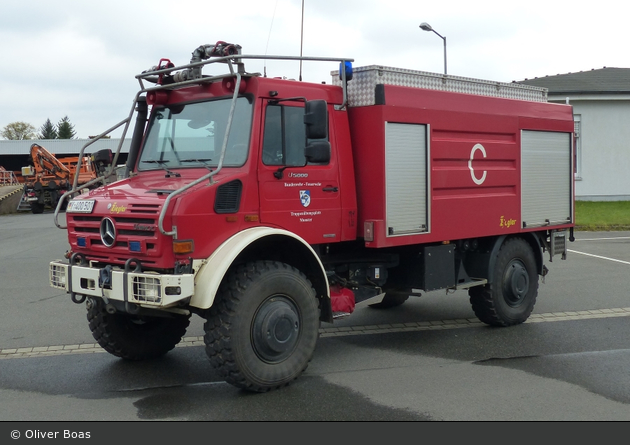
(212, 270)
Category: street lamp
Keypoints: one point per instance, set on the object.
(426, 27)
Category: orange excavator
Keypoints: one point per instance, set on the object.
(50, 177)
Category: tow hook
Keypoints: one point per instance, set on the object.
(75, 258)
(109, 307)
(130, 308)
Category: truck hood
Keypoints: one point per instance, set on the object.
(149, 187)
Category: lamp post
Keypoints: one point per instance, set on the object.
(426, 27)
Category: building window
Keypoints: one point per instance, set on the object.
(577, 146)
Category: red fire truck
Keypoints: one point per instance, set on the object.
(267, 206)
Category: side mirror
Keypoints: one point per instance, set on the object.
(104, 157)
(317, 152)
(316, 119)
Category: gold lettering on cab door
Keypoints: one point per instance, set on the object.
(507, 222)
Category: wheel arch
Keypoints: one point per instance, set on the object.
(261, 243)
(481, 264)
(534, 240)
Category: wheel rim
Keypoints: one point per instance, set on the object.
(276, 329)
(516, 283)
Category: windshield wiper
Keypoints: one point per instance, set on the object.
(161, 163)
(201, 161)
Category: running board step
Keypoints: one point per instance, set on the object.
(474, 282)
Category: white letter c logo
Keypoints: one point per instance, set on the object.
(472, 171)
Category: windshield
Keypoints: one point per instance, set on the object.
(192, 135)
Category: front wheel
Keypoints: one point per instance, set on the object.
(510, 298)
(262, 329)
(134, 337)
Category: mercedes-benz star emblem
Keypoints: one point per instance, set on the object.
(108, 232)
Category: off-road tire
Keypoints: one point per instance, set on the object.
(37, 207)
(510, 298)
(134, 337)
(262, 329)
(390, 300)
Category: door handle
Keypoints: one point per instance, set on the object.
(331, 189)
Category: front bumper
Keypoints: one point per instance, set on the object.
(146, 289)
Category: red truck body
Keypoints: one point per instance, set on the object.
(457, 123)
(258, 203)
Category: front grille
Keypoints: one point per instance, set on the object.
(137, 233)
(87, 229)
(84, 218)
(144, 233)
(145, 208)
(136, 220)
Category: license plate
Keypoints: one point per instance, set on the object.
(80, 206)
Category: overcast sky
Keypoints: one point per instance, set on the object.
(78, 58)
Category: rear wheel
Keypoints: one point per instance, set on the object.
(134, 337)
(37, 207)
(262, 329)
(510, 298)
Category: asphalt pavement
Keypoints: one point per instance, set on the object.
(429, 359)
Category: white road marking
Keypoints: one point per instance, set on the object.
(598, 256)
(600, 239)
(346, 331)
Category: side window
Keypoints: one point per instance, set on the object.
(284, 139)
(272, 141)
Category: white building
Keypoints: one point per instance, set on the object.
(601, 108)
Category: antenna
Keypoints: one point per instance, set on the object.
(301, 39)
(269, 37)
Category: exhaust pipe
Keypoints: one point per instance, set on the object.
(138, 134)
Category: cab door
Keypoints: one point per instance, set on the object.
(301, 197)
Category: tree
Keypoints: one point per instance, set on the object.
(65, 130)
(17, 131)
(48, 130)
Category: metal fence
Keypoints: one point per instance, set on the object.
(7, 177)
